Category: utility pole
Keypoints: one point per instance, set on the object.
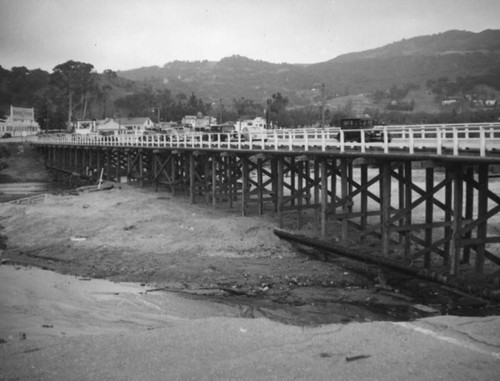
(323, 105)
(220, 111)
(70, 116)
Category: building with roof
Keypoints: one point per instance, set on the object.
(20, 122)
(124, 126)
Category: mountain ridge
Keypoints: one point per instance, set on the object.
(417, 60)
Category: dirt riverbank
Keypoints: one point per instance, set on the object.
(137, 235)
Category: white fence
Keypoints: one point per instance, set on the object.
(457, 140)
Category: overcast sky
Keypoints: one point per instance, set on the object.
(127, 34)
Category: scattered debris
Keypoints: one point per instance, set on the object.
(95, 188)
(77, 238)
(354, 358)
(425, 309)
(39, 198)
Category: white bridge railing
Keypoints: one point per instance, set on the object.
(450, 139)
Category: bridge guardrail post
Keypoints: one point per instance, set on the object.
(363, 141)
(439, 140)
(455, 141)
(386, 140)
(482, 141)
(411, 145)
(342, 142)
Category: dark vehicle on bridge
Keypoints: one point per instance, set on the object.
(352, 130)
(220, 131)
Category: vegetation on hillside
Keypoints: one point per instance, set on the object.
(449, 77)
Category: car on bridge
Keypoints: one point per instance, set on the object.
(352, 127)
(221, 132)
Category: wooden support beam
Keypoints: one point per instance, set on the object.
(401, 199)
(280, 186)
(333, 185)
(141, 167)
(429, 216)
(448, 215)
(364, 199)
(214, 180)
(108, 165)
(344, 196)
(456, 238)
(385, 207)
(192, 197)
(300, 183)
(482, 209)
(317, 186)
(245, 185)
(207, 186)
(260, 186)
(469, 209)
(117, 154)
(274, 183)
(324, 197)
(408, 213)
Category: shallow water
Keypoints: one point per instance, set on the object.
(28, 188)
(15, 190)
(38, 303)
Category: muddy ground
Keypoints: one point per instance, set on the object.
(128, 233)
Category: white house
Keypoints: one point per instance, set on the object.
(124, 126)
(134, 125)
(20, 122)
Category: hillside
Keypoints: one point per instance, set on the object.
(452, 54)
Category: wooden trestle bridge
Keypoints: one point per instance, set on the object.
(423, 192)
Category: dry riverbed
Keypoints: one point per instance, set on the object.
(129, 234)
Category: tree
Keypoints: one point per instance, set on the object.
(276, 110)
(247, 108)
(78, 81)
